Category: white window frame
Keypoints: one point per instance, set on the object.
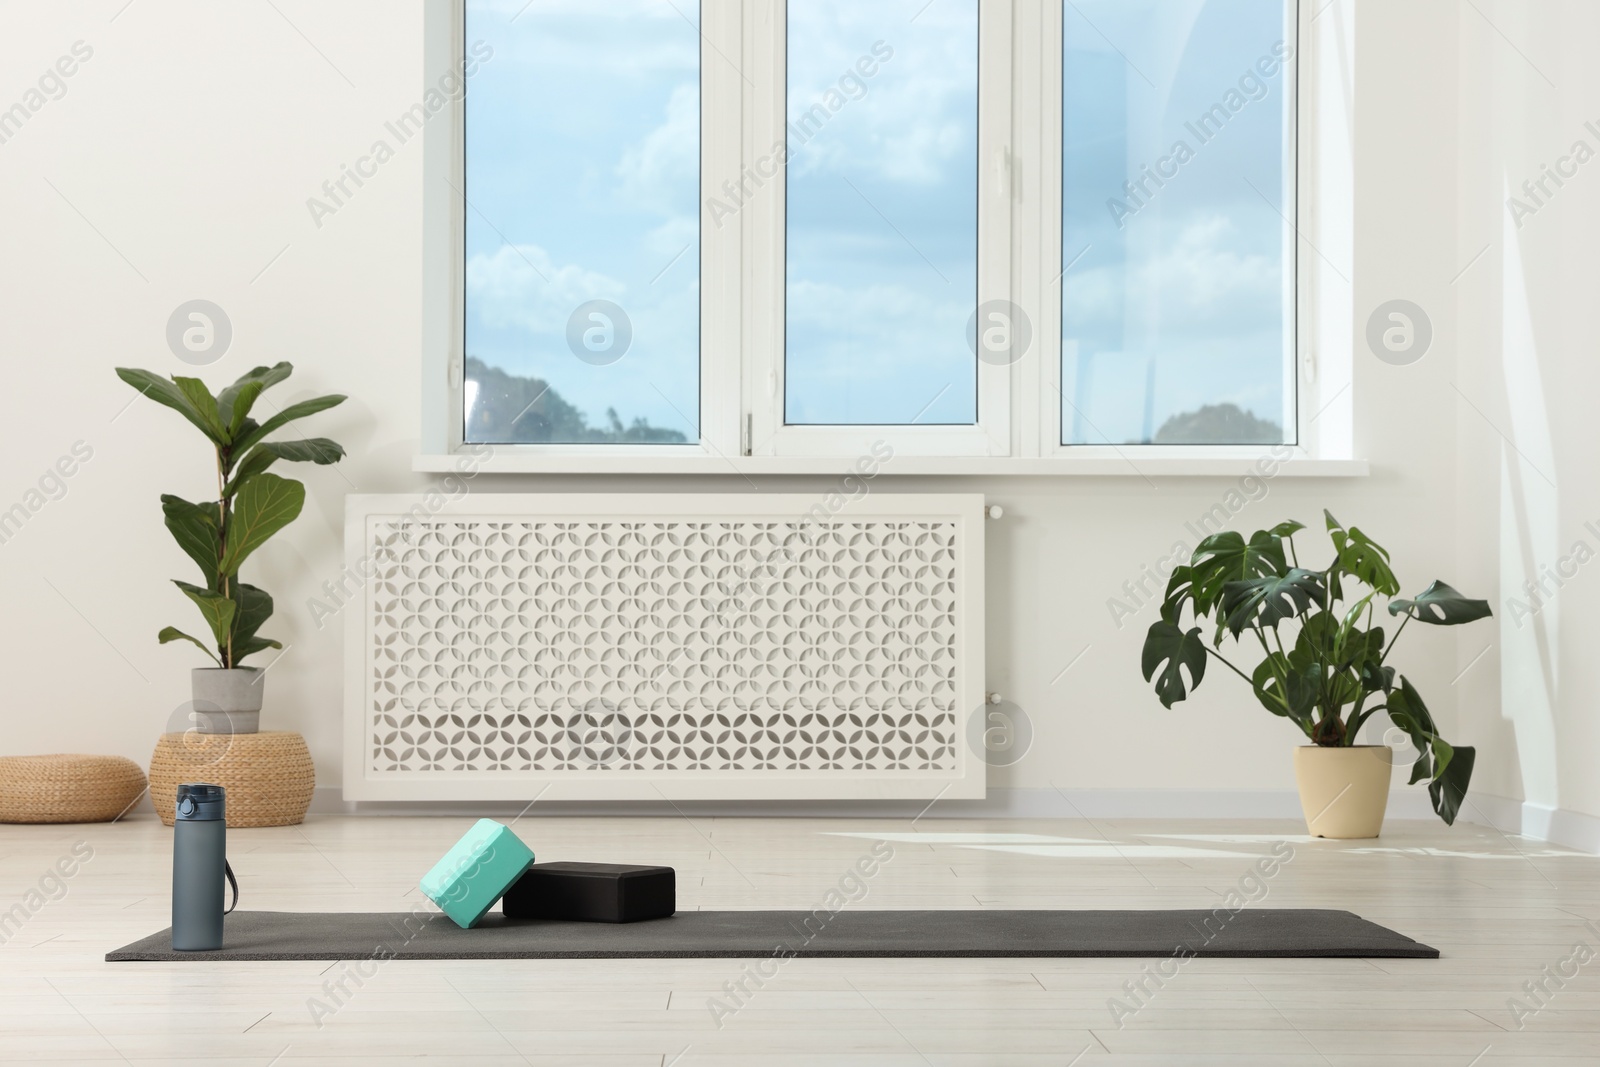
(765, 239)
(1019, 234)
(1043, 376)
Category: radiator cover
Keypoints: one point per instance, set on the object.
(650, 646)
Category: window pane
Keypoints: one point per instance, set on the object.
(582, 225)
(882, 212)
(1177, 320)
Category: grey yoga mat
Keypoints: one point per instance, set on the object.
(282, 935)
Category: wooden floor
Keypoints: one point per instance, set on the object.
(1504, 912)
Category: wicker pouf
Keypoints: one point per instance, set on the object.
(68, 788)
(269, 776)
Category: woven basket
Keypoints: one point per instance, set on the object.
(40, 789)
(269, 777)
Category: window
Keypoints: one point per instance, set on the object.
(582, 224)
(881, 233)
(990, 235)
(1177, 307)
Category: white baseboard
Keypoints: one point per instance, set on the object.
(1557, 826)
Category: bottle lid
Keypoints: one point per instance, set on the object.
(199, 802)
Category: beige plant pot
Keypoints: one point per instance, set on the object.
(1343, 791)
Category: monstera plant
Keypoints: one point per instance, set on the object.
(1323, 653)
(250, 505)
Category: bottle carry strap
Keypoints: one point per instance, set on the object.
(228, 870)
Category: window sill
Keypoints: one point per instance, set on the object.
(509, 459)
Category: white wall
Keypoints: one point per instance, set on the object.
(1525, 317)
(177, 166)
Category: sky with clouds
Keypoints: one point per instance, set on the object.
(1180, 303)
(882, 213)
(583, 181)
(583, 175)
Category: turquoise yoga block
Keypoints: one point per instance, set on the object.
(477, 872)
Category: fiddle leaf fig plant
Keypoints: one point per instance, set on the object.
(251, 504)
(1324, 662)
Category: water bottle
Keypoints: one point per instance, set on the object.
(199, 867)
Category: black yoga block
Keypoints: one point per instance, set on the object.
(592, 892)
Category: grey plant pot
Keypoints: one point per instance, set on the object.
(227, 700)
